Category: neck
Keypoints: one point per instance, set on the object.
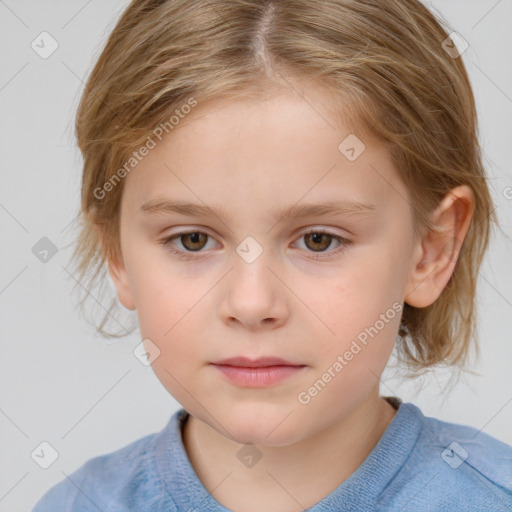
(282, 479)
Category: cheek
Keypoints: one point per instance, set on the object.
(378, 275)
(157, 292)
(351, 363)
(168, 312)
(361, 311)
(171, 313)
(356, 297)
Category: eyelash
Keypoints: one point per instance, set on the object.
(188, 255)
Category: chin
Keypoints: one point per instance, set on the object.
(262, 426)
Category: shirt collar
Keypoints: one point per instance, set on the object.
(358, 492)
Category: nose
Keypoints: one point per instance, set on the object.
(255, 297)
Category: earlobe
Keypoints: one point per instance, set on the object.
(435, 256)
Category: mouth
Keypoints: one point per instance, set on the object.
(260, 372)
(260, 362)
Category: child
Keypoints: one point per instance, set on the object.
(321, 158)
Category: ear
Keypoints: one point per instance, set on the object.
(436, 254)
(118, 275)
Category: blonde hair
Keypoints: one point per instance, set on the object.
(389, 75)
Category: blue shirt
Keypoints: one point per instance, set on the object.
(419, 464)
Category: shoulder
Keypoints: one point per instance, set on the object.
(463, 444)
(456, 467)
(114, 481)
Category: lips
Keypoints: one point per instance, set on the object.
(257, 373)
(261, 362)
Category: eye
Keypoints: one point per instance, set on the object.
(317, 240)
(321, 240)
(192, 241)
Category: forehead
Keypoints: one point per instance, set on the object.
(275, 150)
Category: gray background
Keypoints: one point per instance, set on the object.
(86, 396)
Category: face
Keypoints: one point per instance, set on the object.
(318, 289)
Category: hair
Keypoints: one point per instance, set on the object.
(383, 62)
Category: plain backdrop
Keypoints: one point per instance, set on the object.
(85, 396)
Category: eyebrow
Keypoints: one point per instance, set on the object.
(336, 207)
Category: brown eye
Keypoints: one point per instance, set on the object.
(318, 240)
(193, 241)
(316, 244)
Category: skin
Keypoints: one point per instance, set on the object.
(250, 156)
